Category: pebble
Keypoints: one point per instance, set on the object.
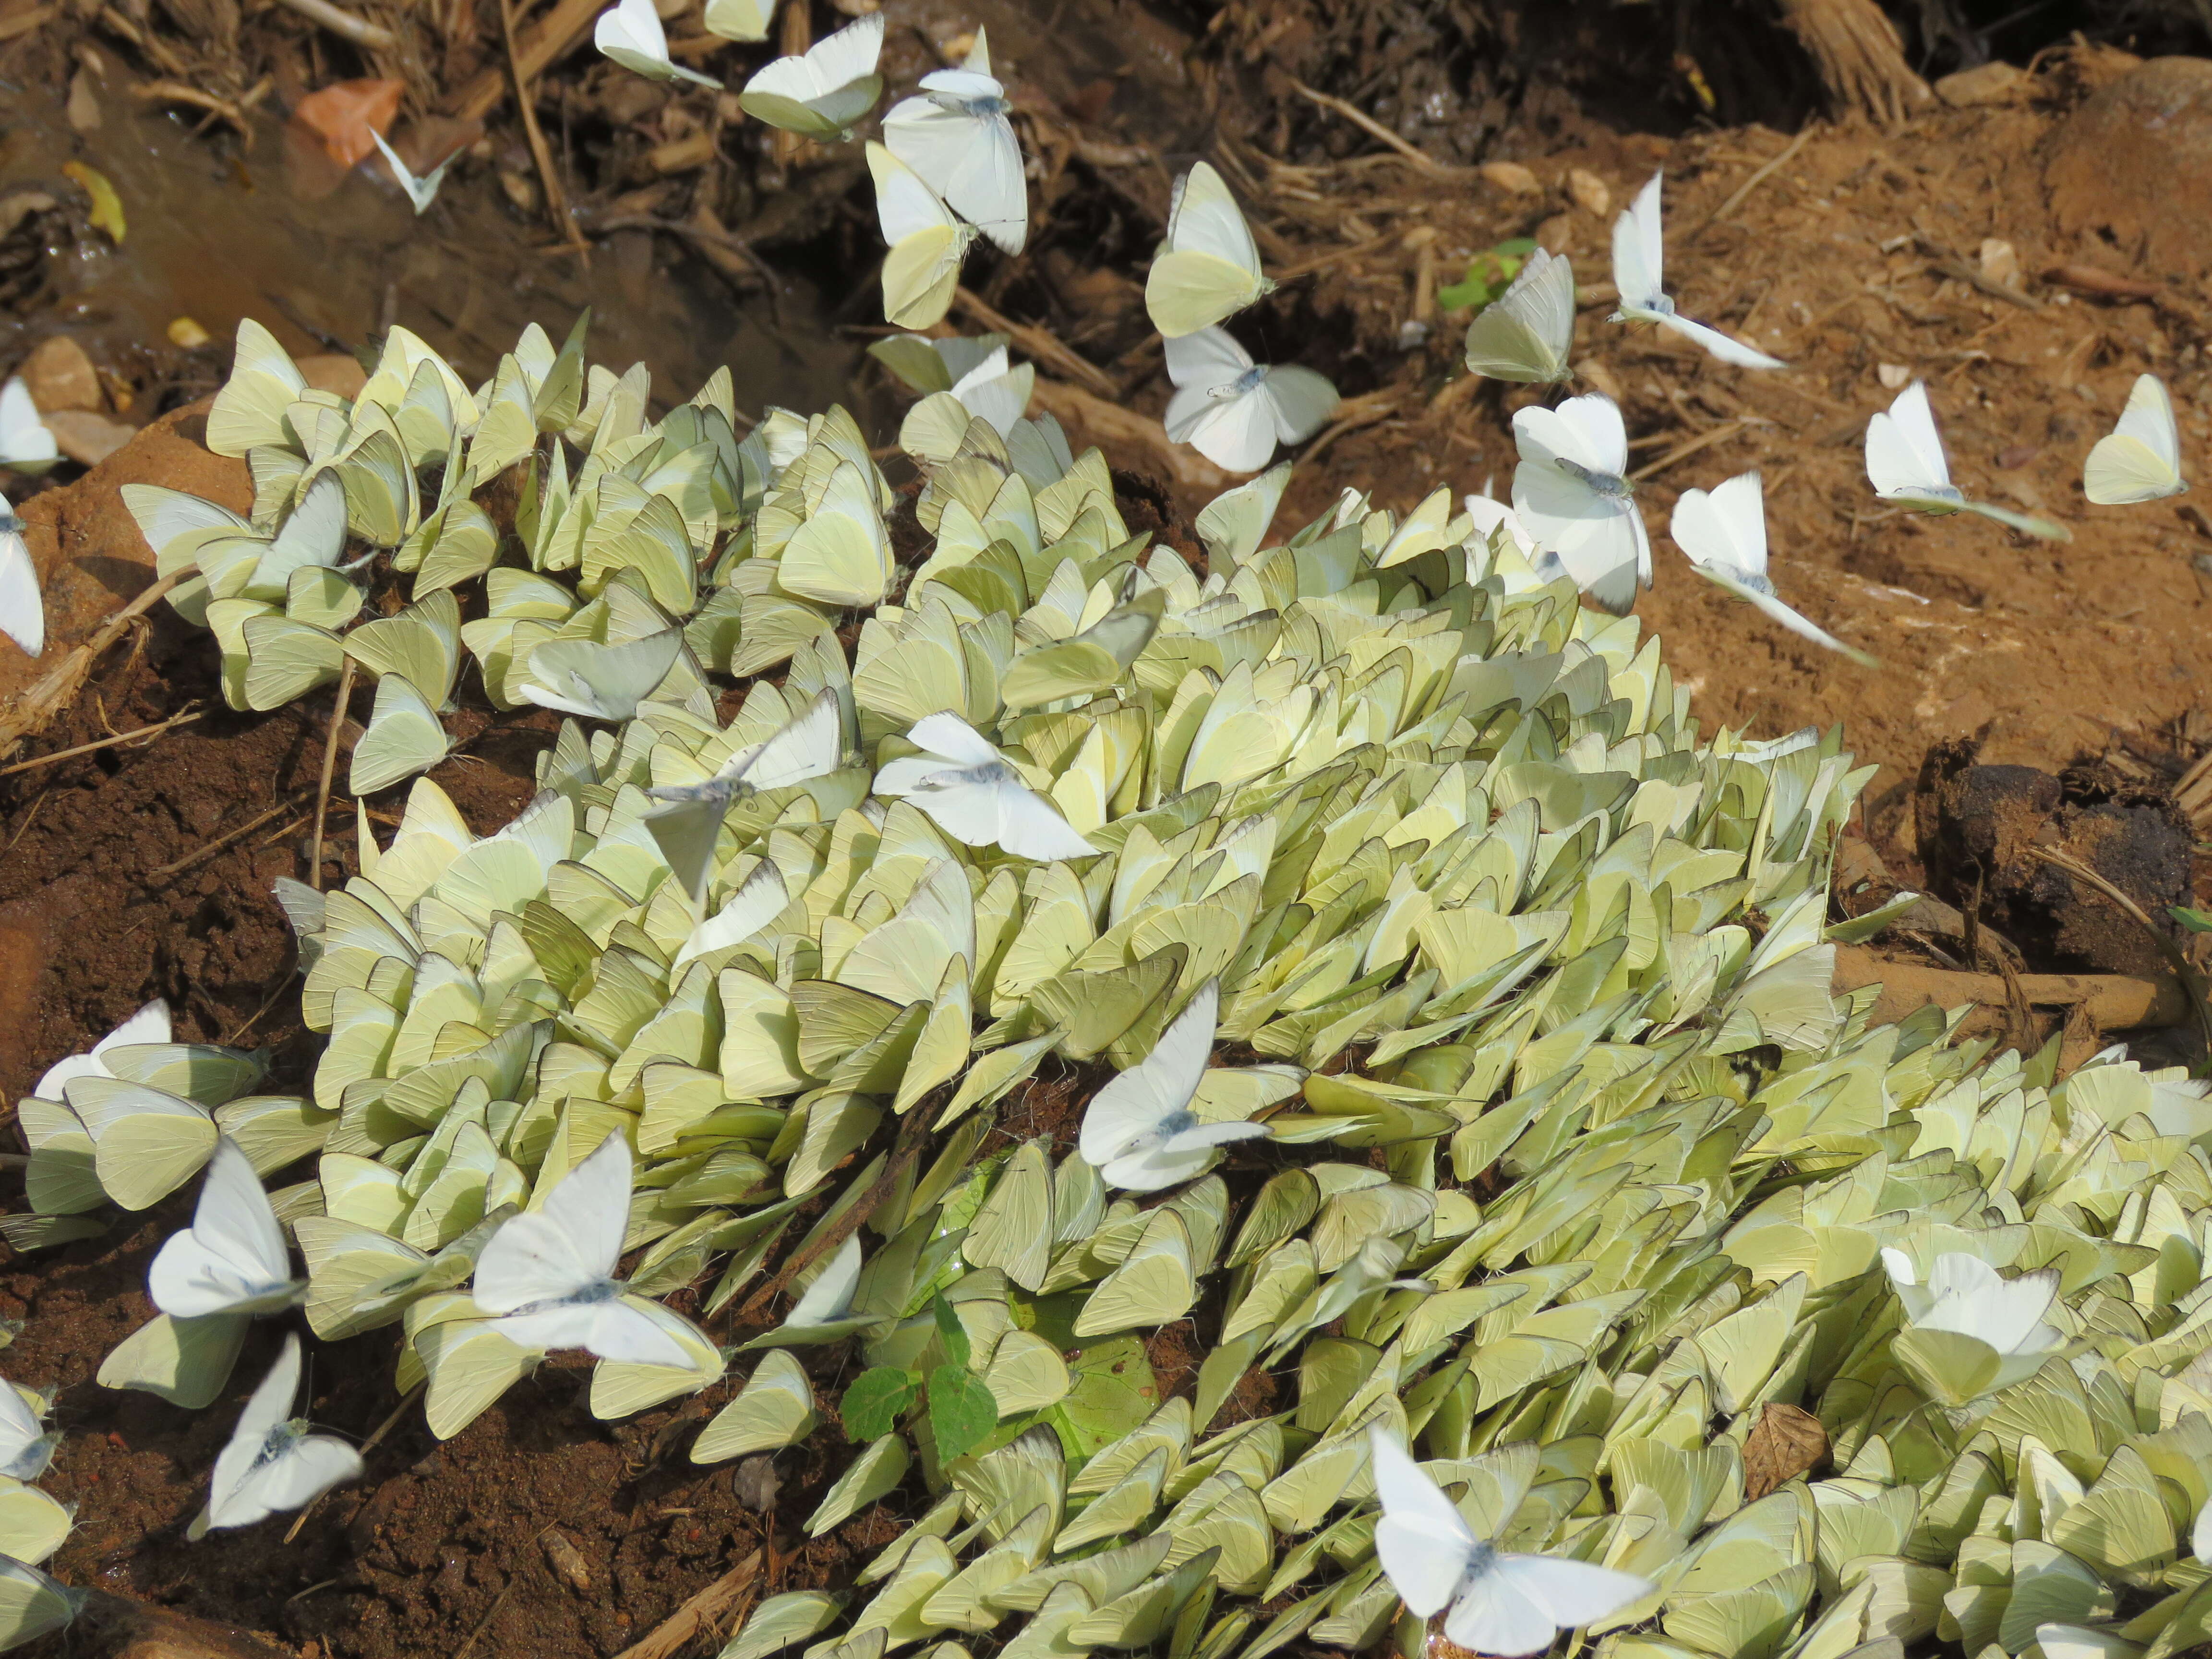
(61, 376)
(87, 438)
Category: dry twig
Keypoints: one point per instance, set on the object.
(329, 765)
(1039, 343)
(1743, 191)
(542, 43)
(1374, 129)
(208, 849)
(45, 700)
(341, 22)
(556, 199)
(176, 92)
(704, 1611)
(135, 732)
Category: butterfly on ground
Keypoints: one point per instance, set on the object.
(1500, 1603)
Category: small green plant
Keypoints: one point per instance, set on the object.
(962, 1410)
(1489, 274)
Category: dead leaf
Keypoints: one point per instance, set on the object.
(757, 1484)
(1784, 1443)
(1588, 191)
(1511, 178)
(106, 205)
(344, 114)
(567, 1560)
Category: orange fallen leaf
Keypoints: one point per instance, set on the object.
(106, 205)
(342, 115)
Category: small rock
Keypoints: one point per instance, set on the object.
(1554, 233)
(1893, 376)
(1511, 178)
(1588, 192)
(335, 373)
(1993, 83)
(60, 376)
(186, 332)
(87, 438)
(1999, 263)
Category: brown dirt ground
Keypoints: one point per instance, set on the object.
(2094, 647)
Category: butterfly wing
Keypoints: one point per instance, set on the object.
(2141, 461)
(810, 745)
(626, 1331)
(233, 1259)
(303, 1472)
(22, 607)
(23, 435)
(945, 733)
(989, 190)
(1570, 1594)
(1601, 437)
(1639, 251)
(1301, 402)
(829, 1298)
(1424, 1542)
(1493, 1616)
(1138, 1102)
(1209, 266)
(541, 1255)
(1235, 430)
(1726, 346)
(232, 1501)
(1030, 827)
(1204, 361)
(2027, 523)
(1527, 332)
(1904, 453)
(1775, 610)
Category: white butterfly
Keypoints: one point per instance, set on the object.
(829, 1298)
(1571, 492)
(150, 1024)
(821, 92)
(272, 1463)
(422, 191)
(1725, 533)
(2141, 461)
(927, 243)
(601, 682)
(956, 135)
(810, 745)
(2200, 1535)
(1139, 1131)
(995, 393)
(969, 791)
(1965, 1295)
(1638, 260)
(1208, 267)
(1234, 412)
(548, 1275)
(232, 1259)
(1503, 1604)
(26, 1446)
(1905, 463)
(1527, 332)
(630, 33)
(25, 444)
(760, 898)
(22, 607)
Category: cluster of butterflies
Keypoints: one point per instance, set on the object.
(1576, 498)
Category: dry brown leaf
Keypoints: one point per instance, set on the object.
(344, 114)
(1784, 1443)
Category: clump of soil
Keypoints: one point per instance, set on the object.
(1982, 830)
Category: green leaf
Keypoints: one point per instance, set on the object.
(962, 1411)
(951, 1332)
(877, 1398)
(2197, 921)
